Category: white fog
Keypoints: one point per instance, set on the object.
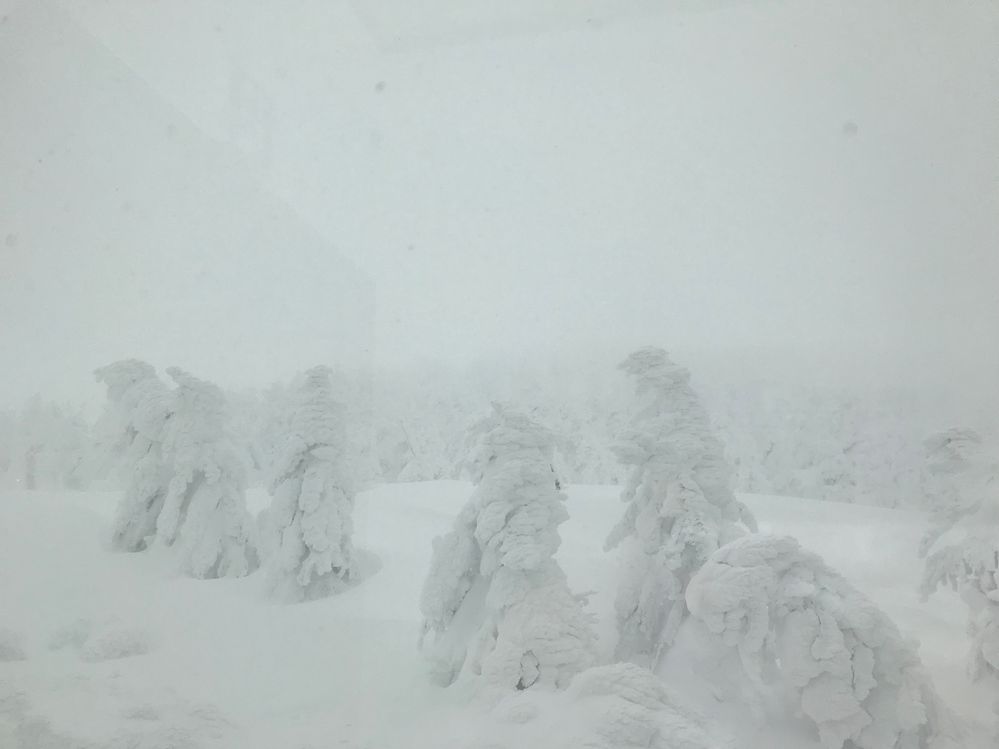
(499, 374)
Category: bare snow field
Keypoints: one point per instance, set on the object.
(103, 650)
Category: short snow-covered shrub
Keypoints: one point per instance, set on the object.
(804, 633)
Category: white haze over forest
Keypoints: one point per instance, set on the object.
(536, 373)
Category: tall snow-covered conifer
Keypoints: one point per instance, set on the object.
(139, 406)
(680, 505)
(310, 518)
(204, 514)
(496, 603)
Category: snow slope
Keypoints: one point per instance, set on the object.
(120, 652)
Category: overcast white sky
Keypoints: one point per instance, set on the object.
(527, 175)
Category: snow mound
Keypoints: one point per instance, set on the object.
(71, 635)
(104, 641)
(180, 727)
(621, 706)
(11, 646)
(115, 643)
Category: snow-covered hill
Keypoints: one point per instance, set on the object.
(118, 651)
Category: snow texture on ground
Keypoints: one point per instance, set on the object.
(101, 650)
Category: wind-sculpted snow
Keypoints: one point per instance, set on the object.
(310, 517)
(139, 406)
(620, 706)
(680, 504)
(624, 705)
(802, 633)
(496, 603)
(204, 513)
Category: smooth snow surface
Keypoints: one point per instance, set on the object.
(120, 652)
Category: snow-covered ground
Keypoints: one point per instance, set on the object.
(119, 652)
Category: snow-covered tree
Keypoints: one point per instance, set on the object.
(832, 443)
(204, 512)
(310, 517)
(496, 603)
(680, 505)
(962, 545)
(809, 640)
(48, 444)
(139, 406)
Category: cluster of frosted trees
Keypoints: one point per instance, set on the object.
(45, 446)
(826, 443)
(185, 481)
(498, 612)
(802, 441)
(781, 628)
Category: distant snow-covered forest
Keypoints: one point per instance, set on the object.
(812, 440)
